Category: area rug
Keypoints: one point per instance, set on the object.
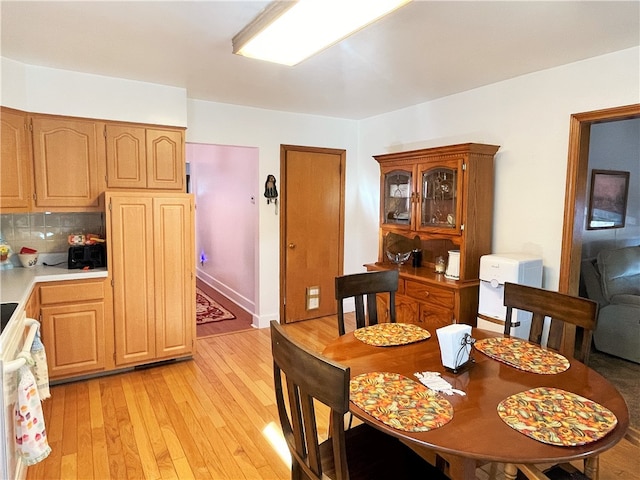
(208, 310)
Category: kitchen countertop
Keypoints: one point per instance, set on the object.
(17, 283)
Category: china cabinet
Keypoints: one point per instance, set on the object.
(441, 200)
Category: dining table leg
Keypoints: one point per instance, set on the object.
(461, 468)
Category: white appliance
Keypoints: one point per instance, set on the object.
(495, 270)
(16, 336)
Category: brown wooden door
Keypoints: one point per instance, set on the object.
(312, 230)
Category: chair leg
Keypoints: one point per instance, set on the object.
(510, 471)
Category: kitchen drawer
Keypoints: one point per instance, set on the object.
(432, 295)
(73, 291)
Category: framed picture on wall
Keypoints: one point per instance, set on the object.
(607, 199)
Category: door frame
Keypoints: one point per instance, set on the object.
(576, 188)
(283, 208)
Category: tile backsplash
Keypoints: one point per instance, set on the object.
(48, 232)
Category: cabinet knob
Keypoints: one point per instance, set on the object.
(292, 246)
(426, 294)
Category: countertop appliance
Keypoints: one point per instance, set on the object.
(495, 270)
(87, 256)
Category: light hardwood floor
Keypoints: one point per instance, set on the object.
(195, 419)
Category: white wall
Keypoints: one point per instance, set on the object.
(222, 124)
(224, 181)
(528, 117)
(62, 92)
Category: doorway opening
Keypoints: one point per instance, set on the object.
(575, 196)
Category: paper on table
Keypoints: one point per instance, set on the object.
(434, 381)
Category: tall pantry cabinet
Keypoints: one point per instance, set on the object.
(150, 259)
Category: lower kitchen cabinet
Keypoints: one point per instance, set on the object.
(76, 326)
(151, 261)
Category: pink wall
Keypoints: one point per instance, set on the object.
(224, 180)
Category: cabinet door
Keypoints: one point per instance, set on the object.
(74, 338)
(126, 156)
(174, 290)
(440, 193)
(407, 309)
(165, 159)
(432, 318)
(396, 197)
(65, 156)
(15, 162)
(130, 220)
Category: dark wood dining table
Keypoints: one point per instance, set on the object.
(476, 434)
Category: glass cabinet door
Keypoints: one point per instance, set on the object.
(397, 193)
(439, 198)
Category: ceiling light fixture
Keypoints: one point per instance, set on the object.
(288, 32)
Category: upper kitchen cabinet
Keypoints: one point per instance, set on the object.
(15, 162)
(443, 196)
(68, 162)
(140, 157)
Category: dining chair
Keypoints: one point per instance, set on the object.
(303, 380)
(364, 287)
(567, 314)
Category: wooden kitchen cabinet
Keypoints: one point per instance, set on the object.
(76, 327)
(151, 261)
(440, 199)
(68, 162)
(141, 157)
(15, 162)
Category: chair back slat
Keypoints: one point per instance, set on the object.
(364, 287)
(566, 312)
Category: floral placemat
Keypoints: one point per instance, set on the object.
(556, 417)
(523, 355)
(389, 334)
(400, 402)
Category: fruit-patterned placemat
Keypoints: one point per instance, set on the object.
(556, 417)
(400, 402)
(523, 355)
(390, 334)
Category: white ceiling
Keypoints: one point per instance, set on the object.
(426, 50)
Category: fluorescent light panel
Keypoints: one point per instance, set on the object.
(289, 32)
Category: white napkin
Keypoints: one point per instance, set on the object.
(434, 381)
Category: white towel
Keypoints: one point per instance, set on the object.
(30, 433)
(40, 369)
